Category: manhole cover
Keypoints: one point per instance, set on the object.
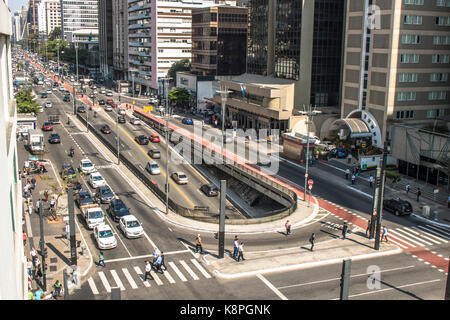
(52, 268)
(53, 260)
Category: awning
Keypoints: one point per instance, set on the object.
(357, 127)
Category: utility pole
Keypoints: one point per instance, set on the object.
(117, 130)
(166, 94)
(73, 240)
(380, 196)
(345, 279)
(223, 197)
(43, 249)
(224, 96)
(447, 288)
(76, 54)
(309, 112)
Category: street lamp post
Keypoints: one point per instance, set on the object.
(76, 54)
(224, 95)
(117, 130)
(165, 82)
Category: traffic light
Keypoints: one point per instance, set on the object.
(44, 252)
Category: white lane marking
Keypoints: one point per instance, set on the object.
(439, 230)
(150, 240)
(402, 235)
(272, 287)
(117, 279)
(189, 270)
(421, 235)
(168, 276)
(398, 244)
(146, 256)
(200, 268)
(431, 231)
(407, 234)
(401, 239)
(104, 281)
(92, 285)
(141, 276)
(177, 271)
(157, 280)
(129, 278)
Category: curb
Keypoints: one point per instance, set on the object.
(304, 265)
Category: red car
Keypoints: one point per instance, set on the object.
(109, 101)
(47, 126)
(154, 138)
(113, 105)
(106, 129)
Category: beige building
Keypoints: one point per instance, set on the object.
(396, 64)
(53, 15)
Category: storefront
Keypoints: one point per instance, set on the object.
(295, 147)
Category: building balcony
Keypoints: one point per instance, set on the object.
(139, 7)
(138, 17)
(139, 26)
(139, 35)
(139, 44)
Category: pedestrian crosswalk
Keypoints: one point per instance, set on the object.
(418, 236)
(124, 278)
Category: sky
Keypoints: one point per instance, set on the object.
(15, 5)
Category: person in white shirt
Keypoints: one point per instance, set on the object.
(148, 268)
(370, 181)
(241, 251)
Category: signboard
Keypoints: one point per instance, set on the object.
(310, 187)
(310, 182)
(148, 108)
(134, 102)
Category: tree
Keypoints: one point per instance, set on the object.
(180, 96)
(26, 103)
(182, 65)
(55, 34)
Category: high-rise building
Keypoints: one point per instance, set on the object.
(17, 27)
(53, 15)
(78, 15)
(33, 16)
(42, 18)
(13, 274)
(120, 39)
(219, 41)
(105, 36)
(396, 64)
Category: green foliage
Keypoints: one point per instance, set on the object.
(55, 34)
(182, 65)
(25, 102)
(393, 175)
(180, 96)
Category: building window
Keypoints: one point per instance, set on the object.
(411, 39)
(438, 77)
(440, 58)
(443, 21)
(445, 40)
(407, 77)
(406, 96)
(409, 58)
(436, 113)
(405, 114)
(414, 2)
(412, 19)
(437, 95)
(443, 3)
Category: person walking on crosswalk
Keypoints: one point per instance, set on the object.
(241, 252)
(148, 268)
(311, 240)
(198, 244)
(344, 230)
(101, 260)
(370, 181)
(407, 187)
(384, 235)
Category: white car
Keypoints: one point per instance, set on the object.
(135, 121)
(104, 236)
(96, 180)
(130, 226)
(61, 88)
(49, 91)
(86, 166)
(95, 92)
(108, 108)
(54, 88)
(48, 104)
(328, 145)
(153, 167)
(122, 112)
(109, 94)
(102, 91)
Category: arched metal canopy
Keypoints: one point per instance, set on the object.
(357, 127)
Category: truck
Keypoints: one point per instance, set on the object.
(93, 216)
(35, 141)
(372, 161)
(54, 116)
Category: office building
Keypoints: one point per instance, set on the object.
(78, 15)
(33, 16)
(17, 27)
(106, 34)
(53, 15)
(120, 39)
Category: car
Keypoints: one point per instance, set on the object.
(95, 92)
(109, 101)
(109, 94)
(122, 112)
(62, 88)
(106, 129)
(121, 119)
(187, 121)
(102, 91)
(117, 209)
(55, 88)
(83, 198)
(54, 138)
(47, 126)
(154, 138)
(153, 100)
(44, 95)
(141, 139)
(101, 102)
(338, 153)
(66, 99)
(86, 166)
(103, 194)
(81, 109)
(92, 96)
(227, 138)
(397, 206)
(67, 93)
(55, 84)
(108, 108)
(179, 177)
(48, 104)
(152, 167)
(104, 236)
(131, 227)
(113, 105)
(210, 190)
(49, 91)
(328, 145)
(68, 172)
(96, 180)
(155, 154)
(135, 121)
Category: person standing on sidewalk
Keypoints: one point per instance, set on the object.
(38, 203)
(407, 187)
(198, 244)
(29, 267)
(370, 181)
(235, 247)
(288, 228)
(148, 268)
(347, 172)
(33, 183)
(344, 230)
(419, 193)
(101, 259)
(33, 254)
(448, 202)
(311, 240)
(241, 252)
(368, 227)
(349, 158)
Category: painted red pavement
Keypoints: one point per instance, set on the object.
(419, 252)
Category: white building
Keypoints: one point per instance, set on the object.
(53, 15)
(17, 27)
(42, 18)
(12, 265)
(78, 14)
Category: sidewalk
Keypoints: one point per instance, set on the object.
(355, 247)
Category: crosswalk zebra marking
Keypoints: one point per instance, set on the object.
(401, 235)
(200, 268)
(129, 278)
(168, 276)
(421, 235)
(446, 235)
(177, 271)
(189, 270)
(104, 281)
(117, 279)
(157, 280)
(412, 236)
(431, 231)
(398, 244)
(92, 285)
(141, 276)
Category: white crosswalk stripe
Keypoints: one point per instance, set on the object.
(117, 279)
(421, 235)
(200, 268)
(402, 240)
(157, 280)
(445, 233)
(189, 270)
(397, 243)
(104, 281)
(431, 231)
(92, 285)
(129, 278)
(141, 276)
(401, 236)
(409, 236)
(177, 271)
(168, 276)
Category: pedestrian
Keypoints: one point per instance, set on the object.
(52, 204)
(156, 254)
(241, 251)
(349, 158)
(370, 181)
(30, 295)
(198, 244)
(33, 183)
(368, 227)
(38, 275)
(29, 267)
(36, 207)
(157, 264)
(24, 237)
(162, 264)
(344, 230)
(38, 294)
(148, 268)
(30, 209)
(448, 202)
(347, 172)
(311, 240)
(419, 193)
(37, 263)
(235, 247)
(46, 194)
(353, 178)
(288, 228)
(33, 254)
(408, 187)
(57, 287)
(67, 231)
(384, 235)
(101, 259)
